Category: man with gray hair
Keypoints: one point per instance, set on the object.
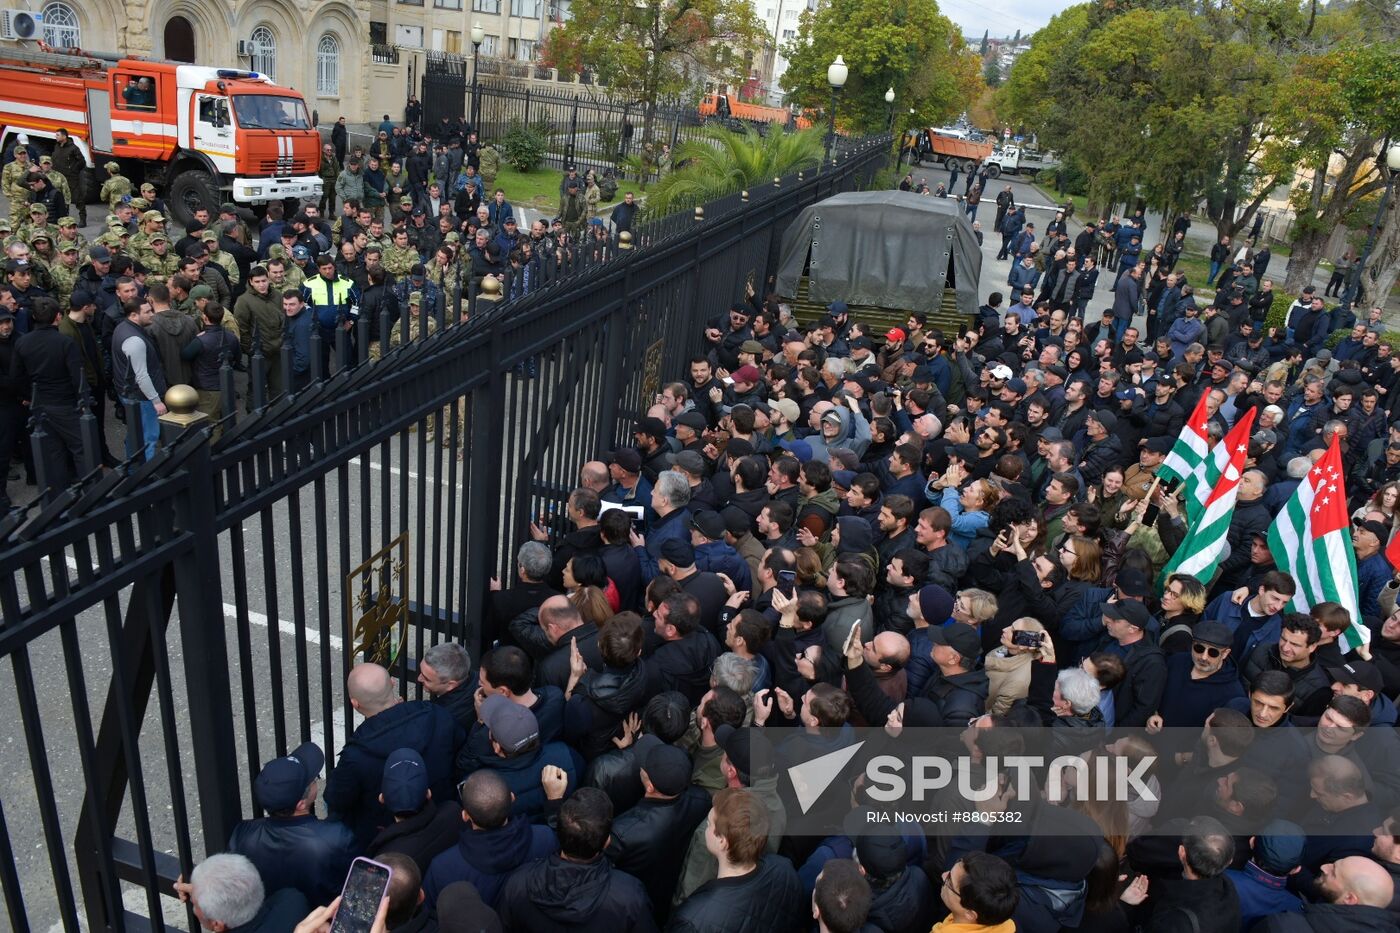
(533, 564)
(226, 893)
(445, 673)
(670, 498)
(352, 790)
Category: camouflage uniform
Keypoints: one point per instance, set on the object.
(399, 261)
(70, 226)
(65, 278)
(222, 257)
(55, 178)
(14, 181)
(116, 187)
(159, 267)
(400, 209)
(41, 227)
(140, 243)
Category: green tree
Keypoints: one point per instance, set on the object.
(986, 33)
(725, 161)
(1341, 106)
(904, 44)
(991, 73)
(652, 49)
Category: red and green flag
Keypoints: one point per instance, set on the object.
(1311, 541)
(1199, 555)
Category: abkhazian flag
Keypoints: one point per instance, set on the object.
(1186, 460)
(1310, 541)
(1199, 555)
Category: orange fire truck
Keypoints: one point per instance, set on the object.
(202, 135)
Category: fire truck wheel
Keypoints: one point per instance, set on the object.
(190, 190)
(994, 171)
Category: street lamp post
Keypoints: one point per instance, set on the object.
(836, 74)
(478, 36)
(1392, 162)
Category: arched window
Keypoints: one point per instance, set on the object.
(60, 26)
(328, 66)
(264, 52)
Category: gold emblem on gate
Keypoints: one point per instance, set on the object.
(377, 613)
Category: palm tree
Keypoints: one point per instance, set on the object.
(723, 161)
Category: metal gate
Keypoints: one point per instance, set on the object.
(444, 87)
(169, 631)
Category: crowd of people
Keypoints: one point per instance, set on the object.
(410, 230)
(825, 526)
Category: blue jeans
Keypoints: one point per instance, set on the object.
(149, 429)
(1120, 325)
(1214, 271)
(972, 212)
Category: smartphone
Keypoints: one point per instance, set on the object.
(639, 525)
(1026, 639)
(727, 381)
(359, 899)
(787, 576)
(1149, 515)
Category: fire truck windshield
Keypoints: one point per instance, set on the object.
(267, 112)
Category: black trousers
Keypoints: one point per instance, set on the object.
(62, 446)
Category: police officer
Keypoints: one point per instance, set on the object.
(335, 303)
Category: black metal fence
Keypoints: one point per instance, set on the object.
(171, 626)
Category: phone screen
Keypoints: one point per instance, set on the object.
(359, 899)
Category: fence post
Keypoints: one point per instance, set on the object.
(527, 103)
(573, 135)
(202, 627)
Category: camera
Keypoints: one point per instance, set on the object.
(1026, 639)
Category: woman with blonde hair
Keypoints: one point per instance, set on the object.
(1082, 559)
(1183, 601)
(1008, 666)
(969, 506)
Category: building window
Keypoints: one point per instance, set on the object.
(448, 4)
(264, 59)
(328, 66)
(526, 9)
(789, 33)
(522, 50)
(60, 26)
(486, 6)
(489, 45)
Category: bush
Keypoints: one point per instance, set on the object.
(1278, 313)
(523, 147)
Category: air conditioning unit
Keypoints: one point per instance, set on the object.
(20, 24)
(245, 48)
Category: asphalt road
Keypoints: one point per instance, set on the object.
(309, 618)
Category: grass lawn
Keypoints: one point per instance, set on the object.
(538, 189)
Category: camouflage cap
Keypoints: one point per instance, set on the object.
(111, 219)
(147, 186)
(152, 215)
(201, 291)
(275, 251)
(5, 227)
(209, 236)
(46, 160)
(415, 298)
(139, 204)
(113, 166)
(406, 201)
(67, 222)
(452, 237)
(157, 237)
(110, 240)
(37, 208)
(38, 235)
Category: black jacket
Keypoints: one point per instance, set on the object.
(299, 852)
(1140, 693)
(945, 701)
(352, 789)
(558, 894)
(906, 905)
(650, 842)
(768, 899)
(684, 665)
(423, 836)
(600, 703)
(579, 541)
